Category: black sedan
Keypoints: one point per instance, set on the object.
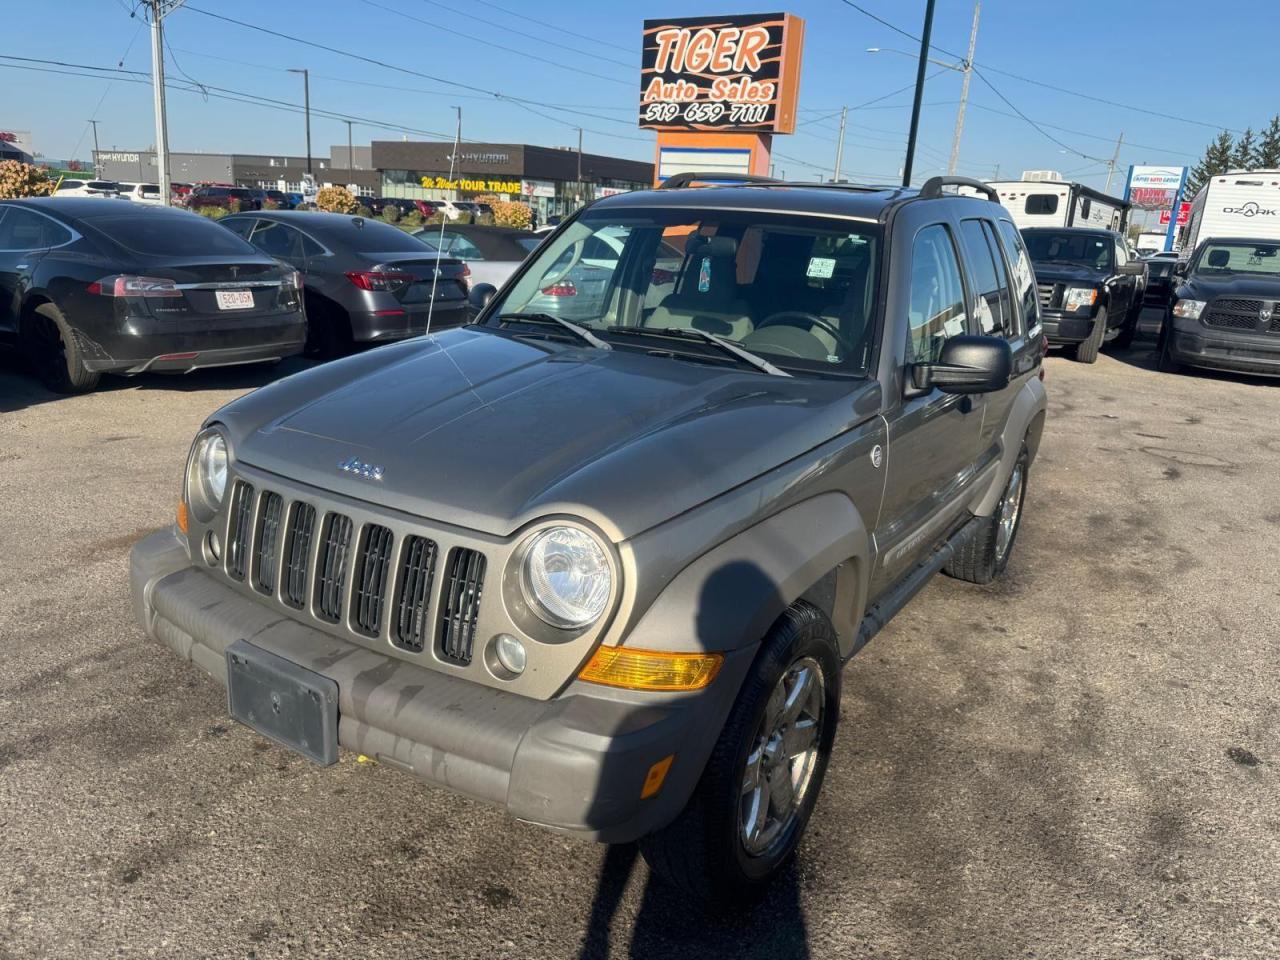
(366, 281)
(88, 287)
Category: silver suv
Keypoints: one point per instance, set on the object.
(605, 572)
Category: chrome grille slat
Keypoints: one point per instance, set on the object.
(331, 571)
(241, 515)
(297, 554)
(371, 579)
(267, 542)
(460, 605)
(413, 594)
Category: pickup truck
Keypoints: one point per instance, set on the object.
(606, 572)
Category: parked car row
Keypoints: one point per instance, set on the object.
(450, 209)
(88, 287)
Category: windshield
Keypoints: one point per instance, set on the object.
(799, 291)
(1222, 258)
(1086, 249)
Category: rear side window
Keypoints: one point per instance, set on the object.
(277, 240)
(24, 230)
(936, 310)
(181, 235)
(1041, 204)
(991, 298)
(1024, 278)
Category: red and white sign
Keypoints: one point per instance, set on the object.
(1184, 214)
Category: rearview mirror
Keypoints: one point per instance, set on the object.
(480, 296)
(968, 364)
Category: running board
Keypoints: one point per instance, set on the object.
(900, 594)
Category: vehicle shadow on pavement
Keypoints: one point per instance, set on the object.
(668, 926)
(20, 389)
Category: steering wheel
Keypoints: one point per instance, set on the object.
(796, 317)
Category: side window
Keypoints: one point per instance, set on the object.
(23, 230)
(989, 305)
(1041, 204)
(936, 311)
(310, 248)
(1122, 255)
(1024, 278)
(275, 239)
(239, 226)
(456, 245)
(1010, 325)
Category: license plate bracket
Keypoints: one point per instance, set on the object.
(294, 706)
(234, 299)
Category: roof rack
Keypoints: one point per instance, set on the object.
(932, 188)
(678, 181)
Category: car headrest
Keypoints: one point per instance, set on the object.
(1219, 258)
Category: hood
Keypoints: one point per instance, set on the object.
(487, 432)
(1049, 271)
(1202, 286)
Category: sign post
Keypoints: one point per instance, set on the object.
(716, 90)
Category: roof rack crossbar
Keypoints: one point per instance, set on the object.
(678, 180)
(932, 188)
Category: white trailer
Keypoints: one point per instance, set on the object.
(1241, 203)
(1060, 203)
(1150, 242)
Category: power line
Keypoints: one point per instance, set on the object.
(558, 28)
(1043, 132)
(1081, 133)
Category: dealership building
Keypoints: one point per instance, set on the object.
(552, 180)
(266, 171)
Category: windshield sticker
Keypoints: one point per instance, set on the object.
(821, 267)
(704, 275)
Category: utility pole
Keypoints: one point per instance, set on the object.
(1111, 164)
(306, 106)
(95, 148)
(160, 9)
(844, 116)
(580, 190)
(351, 159)
(964, 90)
(915, 106)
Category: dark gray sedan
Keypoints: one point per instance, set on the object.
(364, 281)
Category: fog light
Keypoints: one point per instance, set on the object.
(510, 653)
(212, 548)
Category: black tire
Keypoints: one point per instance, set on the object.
(1165, 362)
(54, 353)
(982, 557)
(328, 329)
(1130, 329)
(702, 852)
(1087, 351)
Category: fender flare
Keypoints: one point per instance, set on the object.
(1025, 422)
(729, 597)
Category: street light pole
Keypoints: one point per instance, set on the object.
(964, 90)
(915, 106)
(306, 107)
(844, 116)
(95, 148)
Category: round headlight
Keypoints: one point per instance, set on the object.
(567, 576)
(208, 483)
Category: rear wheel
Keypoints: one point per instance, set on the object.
(328, 329)
(53, 352)
(1087, 350)
(751, 806)
(984, 556)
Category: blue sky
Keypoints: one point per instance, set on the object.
(1171, 57)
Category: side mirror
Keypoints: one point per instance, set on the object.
(969, 364)
(480, 296)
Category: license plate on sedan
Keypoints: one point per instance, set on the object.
(294, 706)
(234, 299)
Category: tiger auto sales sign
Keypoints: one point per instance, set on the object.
(737, 73)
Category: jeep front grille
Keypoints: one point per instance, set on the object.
(413, 590)
(267, 554)
(371, 579)
(1235, 314)
(238, 536)
(460, 605)
(297, 554)
(331, 568)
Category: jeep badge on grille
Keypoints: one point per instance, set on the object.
(369, 471)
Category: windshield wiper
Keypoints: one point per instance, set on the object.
(693, 333)
(582, 333)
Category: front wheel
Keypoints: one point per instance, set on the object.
(751, 806)
(1087, 350)
(1165, 361)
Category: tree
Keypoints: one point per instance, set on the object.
(1216, 160)
(1268, 153)
(19, 179)
(1245, 154)
(336, 200)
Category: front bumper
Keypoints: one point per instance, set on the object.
(575, 764)
(1200, 346)
(1062, 327)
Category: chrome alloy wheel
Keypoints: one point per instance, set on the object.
(783, 757)
(1010, 509)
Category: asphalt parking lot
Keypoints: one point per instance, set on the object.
(1079, 761)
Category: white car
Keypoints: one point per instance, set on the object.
(87, 188)
(148, 193)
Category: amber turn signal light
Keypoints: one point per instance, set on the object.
(182, 515)
(654, 778)
(650, 669)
